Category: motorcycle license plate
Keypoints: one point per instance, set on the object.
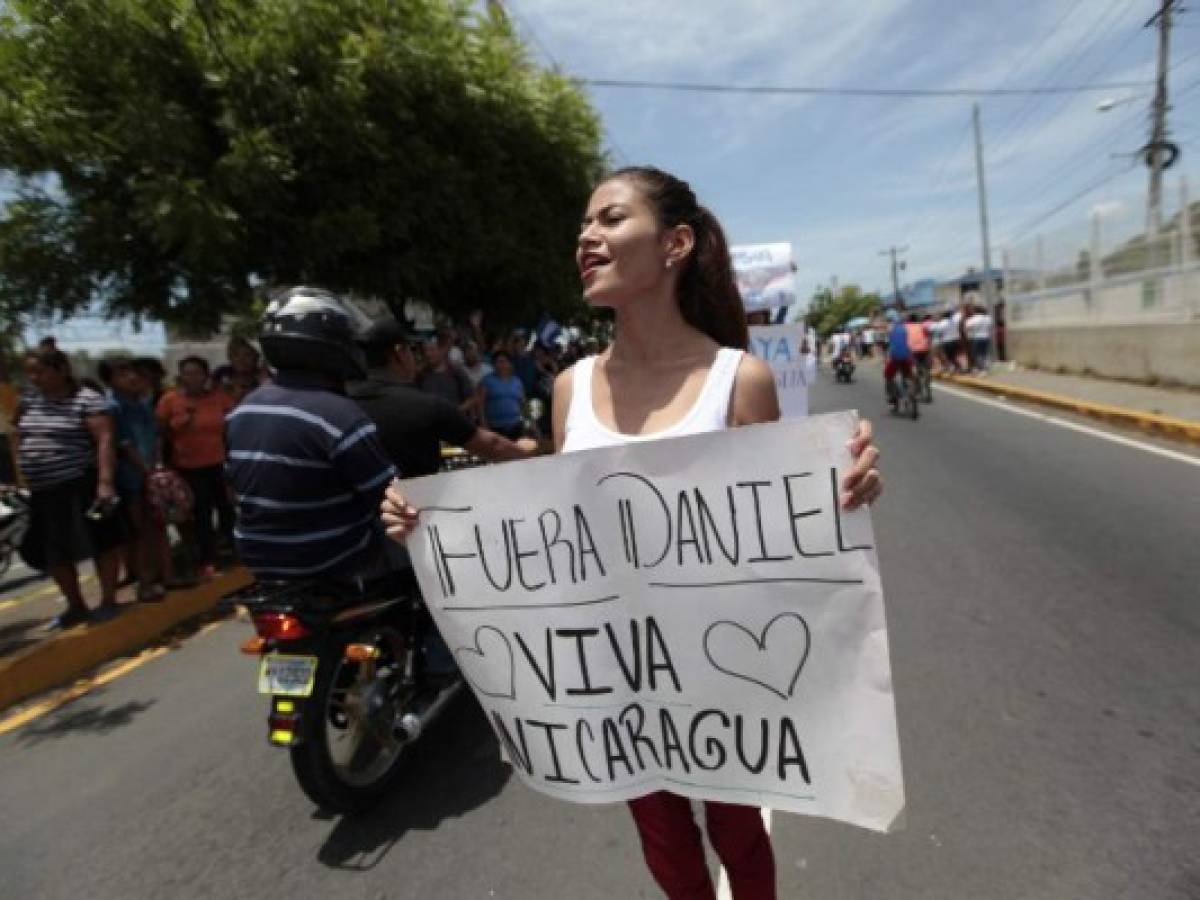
(287, 676)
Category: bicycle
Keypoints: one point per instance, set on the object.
(904, 396)
(924, 379)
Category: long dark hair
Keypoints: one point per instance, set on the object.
(708, 294)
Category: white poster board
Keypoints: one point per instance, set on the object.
(692, 614)
(782, 347)
(765, 275)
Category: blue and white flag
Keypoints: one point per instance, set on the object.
(548, 331)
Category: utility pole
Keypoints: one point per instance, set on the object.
(989, 294)
(1155, 150)
(896, 267)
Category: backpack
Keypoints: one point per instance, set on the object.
(169, 496)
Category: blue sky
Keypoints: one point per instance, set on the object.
(842, 178)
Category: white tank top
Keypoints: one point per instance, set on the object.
(710, 412)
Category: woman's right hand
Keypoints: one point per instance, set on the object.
(399, 518)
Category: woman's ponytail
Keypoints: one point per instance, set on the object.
(708, 294)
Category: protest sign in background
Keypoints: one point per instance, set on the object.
(782, 348)
(693, 614)
(765, 275)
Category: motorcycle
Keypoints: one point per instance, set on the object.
(344, 666)
(14, 523)
(843, 367)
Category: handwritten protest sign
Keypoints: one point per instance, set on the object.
(782, 347)
(693, 614)
(765, 275)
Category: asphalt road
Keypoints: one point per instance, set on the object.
(1044, 622)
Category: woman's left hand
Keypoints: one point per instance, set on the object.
(863, 483)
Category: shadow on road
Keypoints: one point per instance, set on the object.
(94, 719)
(453, 769)
(20, 581)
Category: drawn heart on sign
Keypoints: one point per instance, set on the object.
(766, 659)
(489, 664)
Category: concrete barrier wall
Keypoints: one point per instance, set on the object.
(1166, 353)
(1143, 325)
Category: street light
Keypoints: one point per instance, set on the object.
(1109, 103)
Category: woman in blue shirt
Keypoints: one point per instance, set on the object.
(502, 398)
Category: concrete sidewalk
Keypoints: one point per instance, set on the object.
(59, 658)
(1169, 412)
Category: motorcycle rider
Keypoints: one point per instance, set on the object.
(304, 460)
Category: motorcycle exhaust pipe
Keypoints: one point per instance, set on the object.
(414, 722)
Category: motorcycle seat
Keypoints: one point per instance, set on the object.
(334, 591)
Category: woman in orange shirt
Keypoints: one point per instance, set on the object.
(193, 420)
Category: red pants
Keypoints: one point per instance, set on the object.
(675, 855)
(892, 366)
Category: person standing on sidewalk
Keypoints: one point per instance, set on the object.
(979, 335)
(677, 366)
(65, 452)
(139, 452)
(193, 419)
(1001, 332)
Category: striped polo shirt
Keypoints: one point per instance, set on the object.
(55, 443)
(309, 474)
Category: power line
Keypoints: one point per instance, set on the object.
(1045, 37)
(1024, 117)
(1055, 210)
(1118, 128)
(921, 220)
(702, 88)
(510, 9)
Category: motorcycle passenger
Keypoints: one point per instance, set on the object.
(412, 423)
(304, 460)
(899, 357)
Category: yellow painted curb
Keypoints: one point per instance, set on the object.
(63, 657)
(1183, 429)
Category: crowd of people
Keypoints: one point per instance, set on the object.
(958, 340)
(116, 461)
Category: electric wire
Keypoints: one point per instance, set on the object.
(1011, 132)
(806, 90)
(622, 157)
(1059, 207)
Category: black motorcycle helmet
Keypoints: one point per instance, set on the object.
(308, 329)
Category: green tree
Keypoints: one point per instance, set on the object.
(828, 312)
(172, 155)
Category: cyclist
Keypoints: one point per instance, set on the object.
(899, 356)
(919, 343)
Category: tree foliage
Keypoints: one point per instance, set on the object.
(171, 155)
(828, 312)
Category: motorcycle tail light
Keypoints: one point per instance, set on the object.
(279, 627)
(254, 646)
(360, 652)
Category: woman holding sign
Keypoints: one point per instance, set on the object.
(677, 366)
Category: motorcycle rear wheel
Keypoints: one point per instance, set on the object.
(346, 760)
